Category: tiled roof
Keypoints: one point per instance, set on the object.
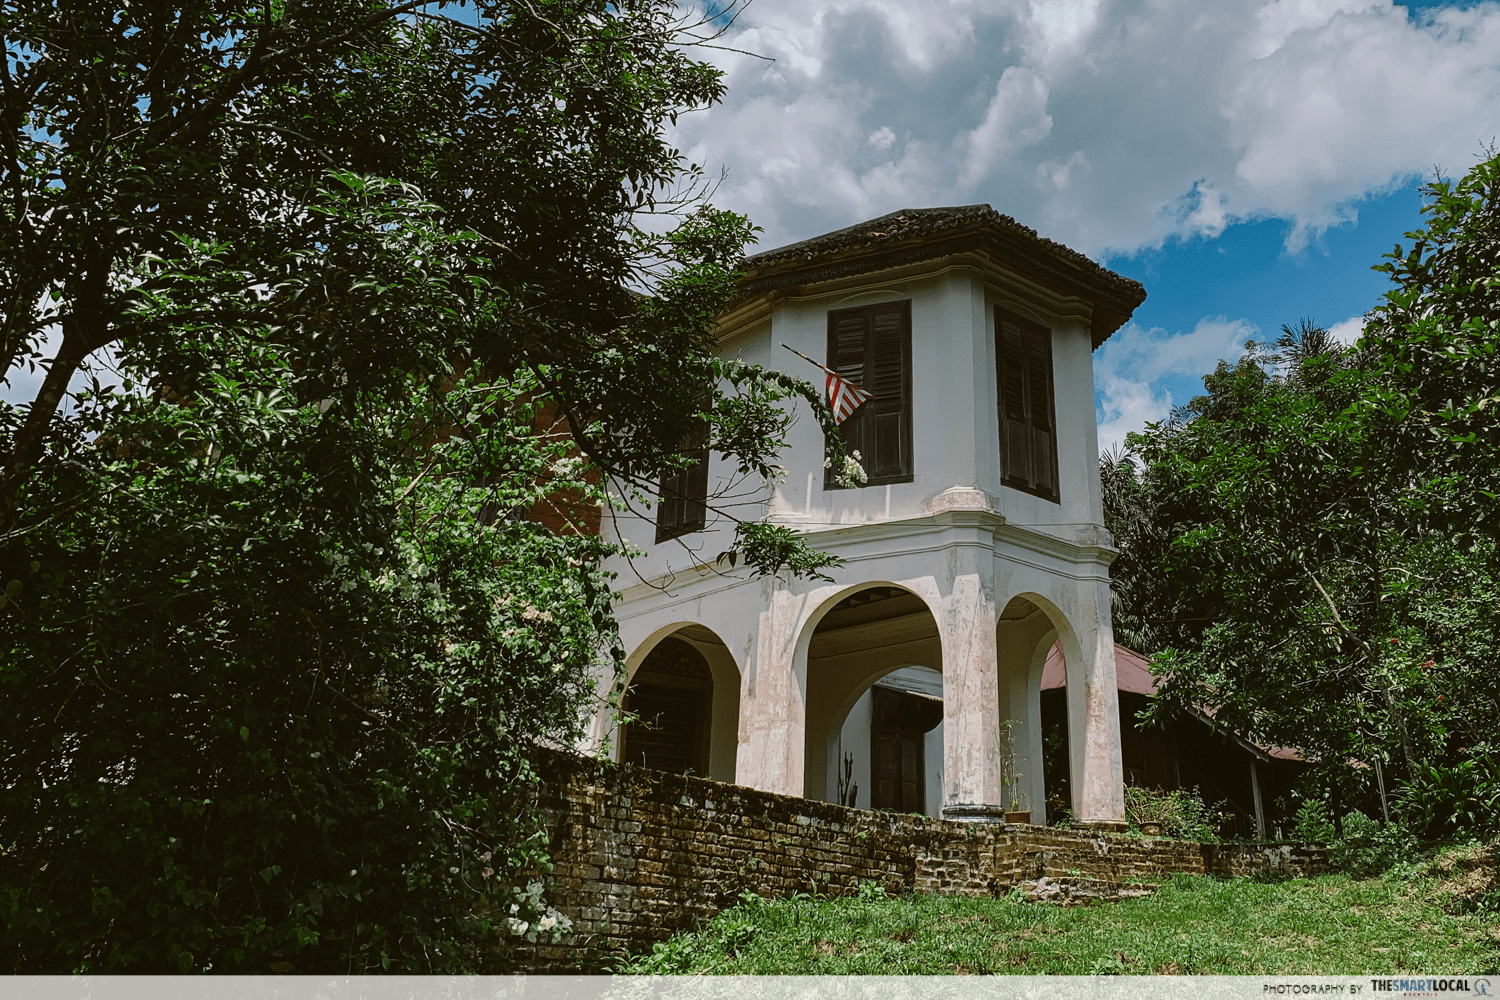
(1132, 670)
(916, 234)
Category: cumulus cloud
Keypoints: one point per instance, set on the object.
(1107, 125)
(1110, 125)
(1131, 369)
(1348, 331)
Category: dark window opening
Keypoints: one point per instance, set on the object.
(683, 506)
(871, 347)
(670, 697)
(1028, 425)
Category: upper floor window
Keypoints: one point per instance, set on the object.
(871, 347)
(1028, 427)
(683, 507)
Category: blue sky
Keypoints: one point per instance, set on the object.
(1206, 296)
(1248, 160)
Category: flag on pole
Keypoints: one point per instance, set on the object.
(844, 397)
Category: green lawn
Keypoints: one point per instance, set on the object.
(1438, 917)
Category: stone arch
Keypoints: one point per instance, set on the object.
(669, 651)
(1028, 658)
(854, 638)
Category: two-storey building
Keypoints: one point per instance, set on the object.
(913, 681)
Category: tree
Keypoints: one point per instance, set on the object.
(278, 643)
(1311, 547)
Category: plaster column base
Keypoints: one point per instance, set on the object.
(974, 814)
(1101, 826)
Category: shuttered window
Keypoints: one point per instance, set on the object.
(1028, 426)
(683, 506)
(871, 347)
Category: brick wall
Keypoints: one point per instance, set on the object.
(640, 855)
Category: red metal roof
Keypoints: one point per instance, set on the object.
(1132, 670)
(1132, 673)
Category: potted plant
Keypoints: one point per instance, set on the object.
(1151, 812)
(1010, 778)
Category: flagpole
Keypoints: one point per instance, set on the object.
(804, 357)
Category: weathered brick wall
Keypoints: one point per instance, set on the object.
(640, 855)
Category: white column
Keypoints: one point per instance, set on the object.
(772, 715)
(971, 691)
(1097, 771)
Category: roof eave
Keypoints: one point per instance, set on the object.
(1113, 299)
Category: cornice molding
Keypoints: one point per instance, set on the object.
(1089, 548)
(919, 235)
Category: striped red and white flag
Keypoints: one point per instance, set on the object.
(844, 397)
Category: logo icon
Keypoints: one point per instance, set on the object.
(1482, 987)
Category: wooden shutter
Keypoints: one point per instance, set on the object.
(899, 722)
(671, 697)
(1028, 425)
(847, 336)
(871, 346)
(683, 505)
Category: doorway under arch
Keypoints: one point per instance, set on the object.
(874, 664)
(682, 706)
(1026, 630)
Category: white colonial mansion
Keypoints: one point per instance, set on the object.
(976, 544)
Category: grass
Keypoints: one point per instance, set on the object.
(1436, 917)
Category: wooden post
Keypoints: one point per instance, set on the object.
(1380, 783)
(1260, 812)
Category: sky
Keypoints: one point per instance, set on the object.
(1248, 161)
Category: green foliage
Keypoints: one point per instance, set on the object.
(1447, 800)
(1419, 918)
(1365, 849)
(1312, 824)
(270, 702)
(1181, 812)
(1312, 547)
(279, 644)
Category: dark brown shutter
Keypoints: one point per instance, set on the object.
(1040, 410)
(898, 724)
(887, 457)
(671, 698)
(1028, 425)
(847, 335)
(1015, 435)
(871, 346)
(683, 506)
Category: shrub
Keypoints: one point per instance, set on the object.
(1312, 824)
(1365, 849)
(1441, 801)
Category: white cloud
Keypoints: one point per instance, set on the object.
(1106, 124)
(1349, 330)
(1130, 367)
(1015, 118)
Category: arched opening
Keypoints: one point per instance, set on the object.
(874, 703)
(667, 707)
(682, 706)
(1033, 746)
